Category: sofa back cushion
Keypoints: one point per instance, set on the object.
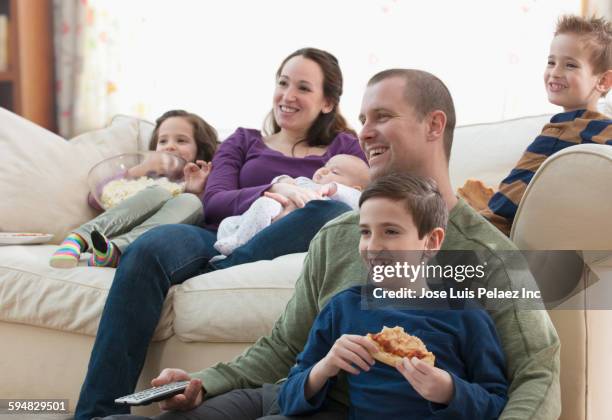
(43, 180)
(489, 151)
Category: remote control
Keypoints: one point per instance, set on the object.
(151, 395)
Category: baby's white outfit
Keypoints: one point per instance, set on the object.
(235, 231)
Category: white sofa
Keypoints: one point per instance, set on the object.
(48, 317)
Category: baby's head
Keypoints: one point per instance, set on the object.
(579, 69)
(401, 212)
(184, 134)
(347, 170)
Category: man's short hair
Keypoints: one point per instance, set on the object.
(419, 194)
(425, 93)
(596, 34)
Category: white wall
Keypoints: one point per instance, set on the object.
(219, 58)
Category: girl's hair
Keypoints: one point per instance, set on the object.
(325, 128)
(204, 134)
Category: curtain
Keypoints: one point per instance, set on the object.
(86, 67)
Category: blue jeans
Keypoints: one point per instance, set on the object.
(162, 257)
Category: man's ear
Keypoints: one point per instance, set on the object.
(436, 125)
(605, 82)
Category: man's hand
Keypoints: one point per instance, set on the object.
(191, 397)
(432, 383)
(196, 175)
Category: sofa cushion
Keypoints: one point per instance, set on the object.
(145, 128)
(238, 304)
(489, 151)
(33, 293)
(44, 177)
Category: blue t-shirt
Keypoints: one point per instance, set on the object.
(464, 342)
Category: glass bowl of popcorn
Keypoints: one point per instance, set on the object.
(120, 177)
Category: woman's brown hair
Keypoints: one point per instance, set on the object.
(204, 134)
(327, 126)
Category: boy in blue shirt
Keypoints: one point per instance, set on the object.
(400, 213)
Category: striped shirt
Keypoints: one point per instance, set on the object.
(564, 130)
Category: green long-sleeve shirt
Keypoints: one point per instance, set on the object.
(333, 264)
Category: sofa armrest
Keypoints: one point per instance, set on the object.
(568, 204)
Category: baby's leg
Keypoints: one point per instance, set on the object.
(254, 220)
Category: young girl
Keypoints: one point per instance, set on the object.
(176, 132)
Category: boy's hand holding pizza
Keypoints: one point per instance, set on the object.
(432, 383)
(409, 355)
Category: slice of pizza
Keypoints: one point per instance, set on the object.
(394, 344)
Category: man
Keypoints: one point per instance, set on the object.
(408, 120)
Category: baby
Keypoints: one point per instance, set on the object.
(341, 179)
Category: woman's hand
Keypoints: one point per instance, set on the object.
(287, 205)
(196, 175)
(432, 383)
(298, 195)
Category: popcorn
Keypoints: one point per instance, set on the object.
(118, 190)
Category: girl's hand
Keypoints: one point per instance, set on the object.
(160, 164)
(196, 175)
(433, 384)
(298, 195)
(351, 353)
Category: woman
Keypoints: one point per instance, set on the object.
(306, 131)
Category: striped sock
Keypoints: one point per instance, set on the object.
(69, 252)
(105, 253)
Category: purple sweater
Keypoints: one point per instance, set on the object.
(244, 166)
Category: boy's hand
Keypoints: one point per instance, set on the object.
(196, 175)
(349, 353)
(432, 383)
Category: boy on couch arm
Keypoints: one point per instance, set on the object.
(578, 73)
